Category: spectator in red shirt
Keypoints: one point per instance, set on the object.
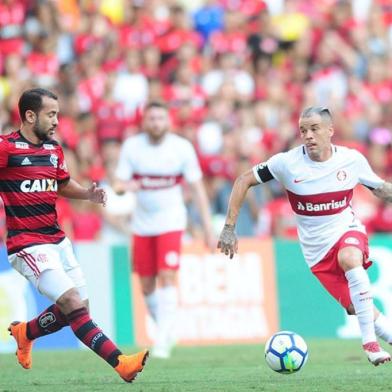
(110, 114)
(140, 28)
(12, 18)
(179, 31)
(233, 36)
(43, 61)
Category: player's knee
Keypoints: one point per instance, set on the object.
(350, 257)
(350, 310)
(86, 304)
(167, 278)
(70, 301)
(148, 285)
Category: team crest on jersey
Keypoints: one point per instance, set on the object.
(341, 175)
(21, 145)
(54, 159)
(48, 146)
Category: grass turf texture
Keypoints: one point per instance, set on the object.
(333, 365)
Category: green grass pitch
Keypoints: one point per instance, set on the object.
(333, 365)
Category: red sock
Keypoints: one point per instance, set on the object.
(88, 332)
(49, 321)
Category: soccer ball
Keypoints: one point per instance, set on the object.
(286, 352)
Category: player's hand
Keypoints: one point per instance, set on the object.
(97, 195)
(228, 243)
(133, 185)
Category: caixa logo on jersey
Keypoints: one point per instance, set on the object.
(44, 185)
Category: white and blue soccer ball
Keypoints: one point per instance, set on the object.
(286, 352)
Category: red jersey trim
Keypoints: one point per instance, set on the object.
(329, 203)
(148, 182)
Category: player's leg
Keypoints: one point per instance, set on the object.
(382, 326)
(69, 307)
(143, 257)
(166, 314)
(350, 259)
(39, 265)
(72, 304)
(89, 333)
(51, 319)
(168, 256)
(33, 263)
(148, 286)
(344, 286)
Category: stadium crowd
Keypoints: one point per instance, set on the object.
(235, 75)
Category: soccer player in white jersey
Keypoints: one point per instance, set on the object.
(319, 178)
(155, 162)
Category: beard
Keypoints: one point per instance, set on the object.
(39, 132)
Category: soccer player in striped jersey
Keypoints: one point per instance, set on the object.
(319, 178)
(32, 174)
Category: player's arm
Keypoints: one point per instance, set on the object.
(200, 196)
(73, 190)
(380, 188)
(121, 186)
(384, 192)
(228, 242)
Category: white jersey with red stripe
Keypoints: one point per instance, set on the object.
(159, 169)
(320, 194)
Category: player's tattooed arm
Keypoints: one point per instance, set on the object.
(228, 243)
(384, 192)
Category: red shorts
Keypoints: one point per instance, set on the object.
(331, 275)
(154, 253)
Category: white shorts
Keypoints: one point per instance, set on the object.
(60, 259)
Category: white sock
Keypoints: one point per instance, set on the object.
(152, 304)
(383, 328)
(362, 300)
(166, 315)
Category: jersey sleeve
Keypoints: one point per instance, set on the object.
(4, 148)
(266, 171)
(191, 168)
(62, 170)
(366, 174)
(124, 170)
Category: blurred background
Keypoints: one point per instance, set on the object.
(235, 75)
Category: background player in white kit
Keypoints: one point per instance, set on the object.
(319, 178)
(155, 162)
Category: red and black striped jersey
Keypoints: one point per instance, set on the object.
(29, 179)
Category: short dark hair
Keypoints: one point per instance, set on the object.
(155, 104)
(32, 100)
(322, 111)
